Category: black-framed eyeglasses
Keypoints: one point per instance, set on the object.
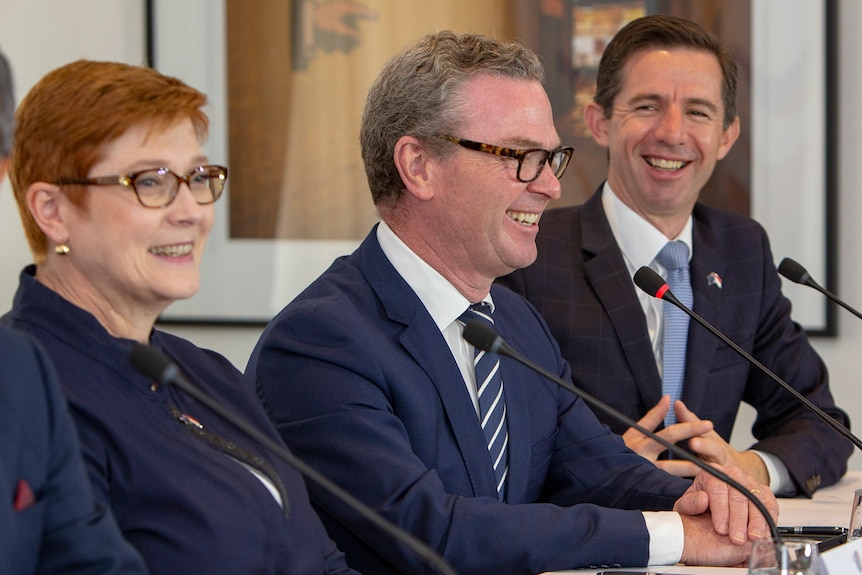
(530, 162)
(158, 187)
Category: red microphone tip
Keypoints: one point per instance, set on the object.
(662, 290)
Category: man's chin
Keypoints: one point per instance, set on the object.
(520, 262)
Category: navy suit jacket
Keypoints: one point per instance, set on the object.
(60, 529)
(361, 385)
(177, 492)
(582, 287)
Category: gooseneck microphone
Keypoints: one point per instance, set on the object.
(649, 281)
(155, 365)
(483, 336)
(794, 271)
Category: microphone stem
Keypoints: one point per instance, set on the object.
(835, 298)
(596, 403)
(417, 546)
(831, 422)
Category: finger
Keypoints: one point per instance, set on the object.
(712, 448)
(640, 443)
(692, 503)
(682, 431)
(678, 467)
(719, 502)
(643, 445)
(683, 413)
(738, 507)
(653, 418)
(757, 525)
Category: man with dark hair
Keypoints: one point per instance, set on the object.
(368, 378)
(665, 108)
(49, 520)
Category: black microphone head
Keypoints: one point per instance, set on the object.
(649, 281)
(149, 361)
(482, 336)
(794, 271)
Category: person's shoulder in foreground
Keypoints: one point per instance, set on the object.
(51, 522)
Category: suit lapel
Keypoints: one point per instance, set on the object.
(606, 271)
(702, 345)
(423, 341)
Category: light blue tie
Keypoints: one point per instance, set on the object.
(492, 403)
(674, 257)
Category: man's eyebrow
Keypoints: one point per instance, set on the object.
(650, 97)
(527, 143)
(706, 103)
(644, 97)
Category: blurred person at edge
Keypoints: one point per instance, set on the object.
(49, 520)
(116, 197)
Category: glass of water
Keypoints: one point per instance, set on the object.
(795, 557)
(856, 517)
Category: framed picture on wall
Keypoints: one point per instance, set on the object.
(287, 82)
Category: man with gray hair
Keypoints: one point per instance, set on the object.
(50, 524)
(368, 378)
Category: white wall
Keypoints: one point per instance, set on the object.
(39, 35)
(840, 353)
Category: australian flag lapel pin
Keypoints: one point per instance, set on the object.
(713, 279)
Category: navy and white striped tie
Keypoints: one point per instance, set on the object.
(492, 403)
(674, 257)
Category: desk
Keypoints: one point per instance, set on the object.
(829, 506)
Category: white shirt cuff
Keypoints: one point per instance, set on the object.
(666, 537)
(779, 478)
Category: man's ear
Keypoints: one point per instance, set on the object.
(45, 203)
(415, 165)
(596, 121)
(728, 137)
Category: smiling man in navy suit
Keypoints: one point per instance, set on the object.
(49, 521)
(368, 378)
(665, 110)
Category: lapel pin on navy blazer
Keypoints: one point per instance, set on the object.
(713, 279)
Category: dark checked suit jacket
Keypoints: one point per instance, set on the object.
(49, 521)
(581, 285)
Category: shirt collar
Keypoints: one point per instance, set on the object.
(638, 239)
(437, 294)
(75, 327)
